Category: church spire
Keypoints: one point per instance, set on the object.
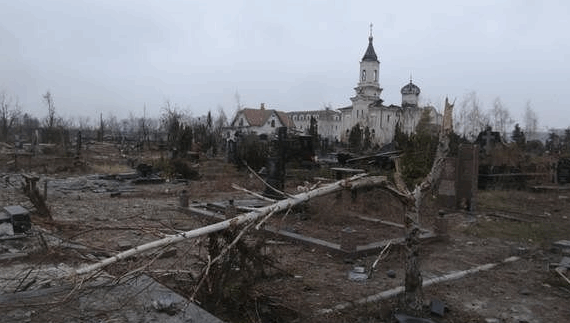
(370, 54)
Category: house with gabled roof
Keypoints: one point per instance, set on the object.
(260, 121)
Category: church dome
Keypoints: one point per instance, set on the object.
(410, 88)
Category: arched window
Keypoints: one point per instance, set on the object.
(241, 122)
(376, 75)
(272, 123)
(363, 75)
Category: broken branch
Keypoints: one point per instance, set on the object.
(266, 184)
(380, 256)
(259, 196)
(559, 271)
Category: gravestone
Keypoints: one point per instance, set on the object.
(467, 174)
(20, 218)
(276, 166)
(458, 181)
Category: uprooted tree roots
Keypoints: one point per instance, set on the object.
(234, 266)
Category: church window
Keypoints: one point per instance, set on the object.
(376, 75)
(272, 123)
(363, 75)
(241, 122)
(388, 118)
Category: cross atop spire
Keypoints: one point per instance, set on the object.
(370, 54)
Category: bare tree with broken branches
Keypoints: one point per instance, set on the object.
(413, 294)
(10, 112)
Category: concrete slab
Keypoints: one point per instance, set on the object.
(15, 210)
(139, 299)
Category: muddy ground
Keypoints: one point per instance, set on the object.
(299, 282)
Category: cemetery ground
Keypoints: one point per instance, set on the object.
(268, 276)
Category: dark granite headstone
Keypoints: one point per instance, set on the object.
(467, 173)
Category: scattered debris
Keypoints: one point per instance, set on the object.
(560, 272)
(525, 292)
(562, 244)
(167, 304)
(507, 217)
(437, 307)
(358, 273)
(565, 262)
(6, 228)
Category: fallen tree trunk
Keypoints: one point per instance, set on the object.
(250, 216)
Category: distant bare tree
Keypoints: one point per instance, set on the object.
(113, 126)
(180, 134)
(84, 123)
(51, 121)
(530, 121)
(471, 118)
(51, 117)
(221, 120)
(502, 120)
(459, 118)
(101, 130)
(239, 105)
(144, 126)
(29, 124)
(9, 114)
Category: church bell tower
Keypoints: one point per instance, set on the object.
(368, 86)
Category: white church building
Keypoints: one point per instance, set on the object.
(368, 109)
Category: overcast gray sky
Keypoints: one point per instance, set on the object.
(116, 56)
